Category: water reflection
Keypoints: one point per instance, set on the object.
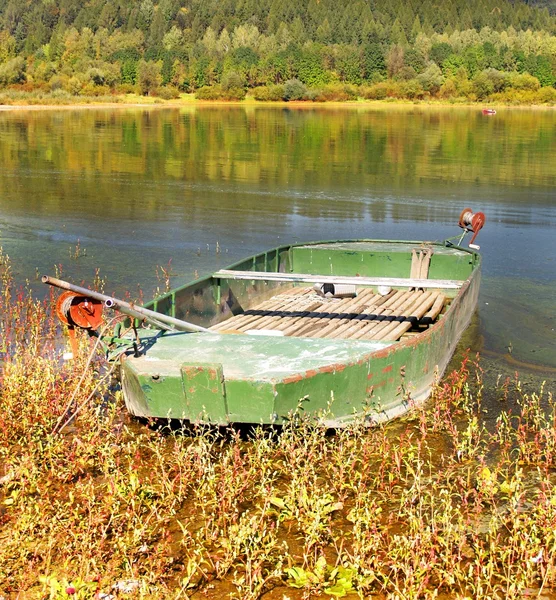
(137, 188)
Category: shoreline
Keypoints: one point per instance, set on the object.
(187, 102)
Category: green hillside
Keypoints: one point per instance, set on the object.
(287, 49)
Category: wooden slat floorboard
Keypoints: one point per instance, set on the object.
(300, 312)
(392, 309)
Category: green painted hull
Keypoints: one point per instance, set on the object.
(224, 378)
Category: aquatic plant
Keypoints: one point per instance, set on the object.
(442, 502)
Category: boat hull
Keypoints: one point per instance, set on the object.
(225, 378)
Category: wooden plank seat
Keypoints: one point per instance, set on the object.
(420, 282)
(300, 312)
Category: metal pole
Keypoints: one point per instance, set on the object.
(132, 310)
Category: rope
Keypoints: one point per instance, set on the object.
(467, 217)
(65, 308)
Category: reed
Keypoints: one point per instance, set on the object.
(439, 504)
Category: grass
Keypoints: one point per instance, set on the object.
(39, 98)
(443, 504)
(52, 98)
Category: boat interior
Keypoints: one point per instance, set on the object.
(381, 291)
(365, 315)
(345, 311)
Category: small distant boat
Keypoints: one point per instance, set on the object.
(346, 329)
(489, 111)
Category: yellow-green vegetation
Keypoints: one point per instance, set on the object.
(451, 502)
(372, 95)
(481, 50)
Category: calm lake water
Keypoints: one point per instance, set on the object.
(127, 190)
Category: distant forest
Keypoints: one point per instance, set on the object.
(281, 49)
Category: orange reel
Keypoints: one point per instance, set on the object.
(472, 222)
(76, 310)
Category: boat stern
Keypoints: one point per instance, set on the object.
(167, 389)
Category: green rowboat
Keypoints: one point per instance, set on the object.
(346, 329)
